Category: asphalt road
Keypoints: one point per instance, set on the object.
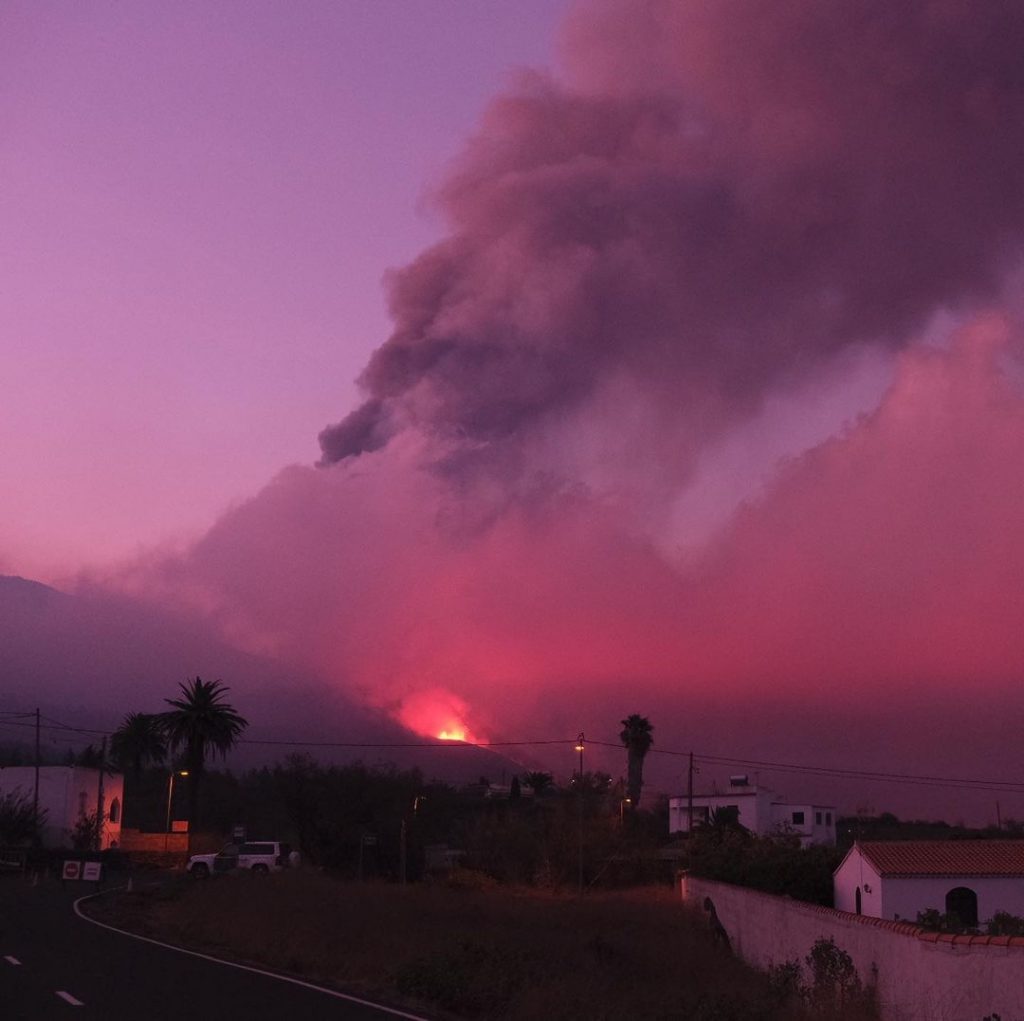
(56, 965)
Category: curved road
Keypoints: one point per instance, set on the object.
(56, 965)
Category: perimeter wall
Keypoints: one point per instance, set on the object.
(918, 975)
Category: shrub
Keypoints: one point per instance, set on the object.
(835, 982)
(17, 819)
(776, 865)
(1002, 923)
(935, 921)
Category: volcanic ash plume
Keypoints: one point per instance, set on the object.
(714, 199)
(711, 205)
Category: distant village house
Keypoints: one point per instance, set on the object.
(756, 809)
(67, 795)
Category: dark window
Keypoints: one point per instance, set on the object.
(726, 815)
(963, 902)
(817, 818)
(115, 810)
(828, 818)
(858, 900)
(798, 818)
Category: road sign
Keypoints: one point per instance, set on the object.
(91, 871)
(72, 870)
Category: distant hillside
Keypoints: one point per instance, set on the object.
(87, 659)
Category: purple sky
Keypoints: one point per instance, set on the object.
(199, 202)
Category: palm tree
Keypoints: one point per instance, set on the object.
(636, 736)
(138, 742)
(200, 722)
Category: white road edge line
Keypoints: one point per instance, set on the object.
(12, 960)
(68, 998)
(241, 967)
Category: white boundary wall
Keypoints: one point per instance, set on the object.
(919, 976)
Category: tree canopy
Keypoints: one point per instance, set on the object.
(637, 737)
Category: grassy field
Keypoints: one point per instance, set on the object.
(455, 951)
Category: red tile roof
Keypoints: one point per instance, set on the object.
(945, 857)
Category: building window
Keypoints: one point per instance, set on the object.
(115, 810)
(817, 818)
(828, 818)
(726, 815)
(798, 818)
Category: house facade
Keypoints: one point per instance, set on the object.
(900, 879)
(68, 794)
(757, 809)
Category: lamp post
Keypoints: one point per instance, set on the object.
(403, 855)
(579, 747)
(170, 795)
(622, 806)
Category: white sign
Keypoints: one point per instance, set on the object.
(91, 871)
(72, 870)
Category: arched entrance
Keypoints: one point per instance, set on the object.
(963, 902)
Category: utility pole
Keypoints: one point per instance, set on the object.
(99, 796)
(579, 747)
(689, 798)
(35, 796)
(403, 855)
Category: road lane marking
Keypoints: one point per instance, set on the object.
(12, 960)
(68, 998)
(241, 967)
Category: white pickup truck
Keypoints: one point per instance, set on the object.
(255, 855)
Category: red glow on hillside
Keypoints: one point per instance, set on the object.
(437, 714)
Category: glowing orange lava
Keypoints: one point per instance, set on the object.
(438, 714)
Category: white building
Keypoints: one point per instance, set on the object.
(757, 809)
(68, 794)
(899, 879)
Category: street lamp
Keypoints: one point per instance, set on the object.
(170, 795)
(403, 852)
(622, 806)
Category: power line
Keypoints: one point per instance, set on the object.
(12, 719)
(964, 783)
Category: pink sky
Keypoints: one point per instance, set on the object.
(199, 203)
(695, 389)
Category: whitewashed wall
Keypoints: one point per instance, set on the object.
(919, 976)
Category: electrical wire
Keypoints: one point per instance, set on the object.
(24, 720)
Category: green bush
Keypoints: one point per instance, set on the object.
(17, 819)
(776, 865)
(1002, 923)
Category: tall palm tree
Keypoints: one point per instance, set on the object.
(201, 722)
(138, 742)
(636, 736)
